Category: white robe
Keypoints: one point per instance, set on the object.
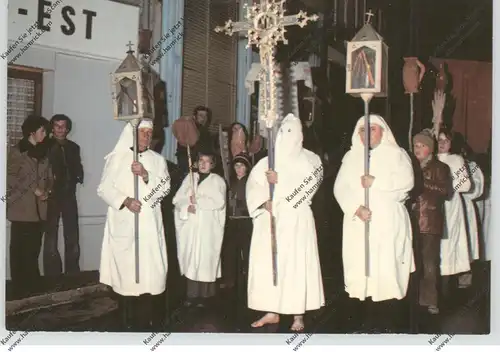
(475, 192)
(390, 249)
(199, 236)
(454, 245)
(118, 246)
(484, 208)
(300, 286)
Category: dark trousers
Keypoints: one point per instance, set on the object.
(429, 253)
(25, 246)
(236, 249)
(66, 206)
(141, 313)
(197, 289)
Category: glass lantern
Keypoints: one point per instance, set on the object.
(132, 90)
(367, 63)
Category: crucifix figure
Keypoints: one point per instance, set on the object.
(265, 25)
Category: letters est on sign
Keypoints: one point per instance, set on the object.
(67, 12)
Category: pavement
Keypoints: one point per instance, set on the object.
(466, 313)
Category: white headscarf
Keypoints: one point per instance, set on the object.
(126, 139)
(388, 139)
(289, 140)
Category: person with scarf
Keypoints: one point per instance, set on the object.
(454, 245)
(29, 183)
(390, 253)
(297, 176)
(428, 209)
(117, 267)
(200, 217)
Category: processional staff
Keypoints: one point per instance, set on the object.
(132, 95)
(265, 25)
(366, 77)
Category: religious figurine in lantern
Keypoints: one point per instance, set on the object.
(367, 63)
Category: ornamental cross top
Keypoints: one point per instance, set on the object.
(130, 45)
(369, 16)
(265, 25)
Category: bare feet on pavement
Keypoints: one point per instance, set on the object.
(298, 323)
(269, 318)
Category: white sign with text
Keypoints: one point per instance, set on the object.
(93, 27)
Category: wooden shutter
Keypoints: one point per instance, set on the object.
(209, 76)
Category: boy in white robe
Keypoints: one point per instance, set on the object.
(297, 176)
(390, 239)
(200, 216)
(116, 188)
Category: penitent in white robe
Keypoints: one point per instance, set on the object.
(117, 267)
(471, 214)
(199, 236)
(454, 245)
(390, 249)
(300, 172)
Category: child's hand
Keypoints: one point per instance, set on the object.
(192, 209)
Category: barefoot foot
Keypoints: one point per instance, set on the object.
(298, 323)
(269, 318)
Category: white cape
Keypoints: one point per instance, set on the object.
(471, 211)
(454, 245)
(390, 249)
(199, 236)
(300, 286)
(117, 267)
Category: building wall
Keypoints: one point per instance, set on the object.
(78, 84)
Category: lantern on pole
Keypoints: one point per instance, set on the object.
(366, 77)
(133, 100)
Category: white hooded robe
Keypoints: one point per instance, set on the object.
(471, 214)
(199, 236)
(300, 173)
(455, 245)
(117, 267)
(390, 249)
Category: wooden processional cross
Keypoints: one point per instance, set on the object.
(265, 25)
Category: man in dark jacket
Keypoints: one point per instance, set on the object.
(428, 210)
(202, 116)
(64, 156)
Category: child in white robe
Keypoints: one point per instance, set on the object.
(200, 216)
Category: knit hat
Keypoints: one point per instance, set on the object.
(425, 137)
(243, 158)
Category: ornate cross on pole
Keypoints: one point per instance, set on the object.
(265, 25)
(369, 16)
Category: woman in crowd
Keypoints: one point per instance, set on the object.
(29, 181)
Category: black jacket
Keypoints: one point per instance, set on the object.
(67, 171)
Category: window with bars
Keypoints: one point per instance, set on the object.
(24, 98)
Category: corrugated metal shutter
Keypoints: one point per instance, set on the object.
(209, 60)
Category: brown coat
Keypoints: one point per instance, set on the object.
(429, 206)
(24, 176)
